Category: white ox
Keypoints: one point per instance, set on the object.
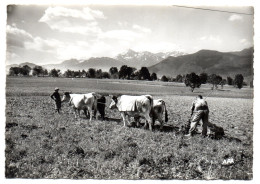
(159, 107)
(134, 106)
(81, 102)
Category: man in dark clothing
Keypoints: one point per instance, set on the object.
(56, 97)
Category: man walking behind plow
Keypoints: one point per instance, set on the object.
(56, 97)
(199, 111)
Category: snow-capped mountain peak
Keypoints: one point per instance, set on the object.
(145, 58)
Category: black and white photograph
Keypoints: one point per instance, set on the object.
(129, 92)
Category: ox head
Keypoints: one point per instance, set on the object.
(113, 102)
(66, 97)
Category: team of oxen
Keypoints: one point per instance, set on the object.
(143, 106)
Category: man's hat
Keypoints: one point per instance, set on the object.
(56, 89)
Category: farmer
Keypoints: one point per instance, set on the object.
(56, 97)
(199, 111)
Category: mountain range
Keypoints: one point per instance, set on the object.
(208, 61)
(129, 58)
(169, 64)
(103, 63)
(139, 59)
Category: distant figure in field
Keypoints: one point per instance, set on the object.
(199, 111)
(56, 97)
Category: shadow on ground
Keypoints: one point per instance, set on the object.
(169, 128)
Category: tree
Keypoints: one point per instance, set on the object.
(215, 80)
(99, 74)
(130, 71)
(14, 71)
(238, 81)
(223, 82)
(136, 75)
(105, 75)
(55, 73)
(11, 71)
(25, 70)
(153, 76)
(91, 73)
(113, 70)
(164, 79)
(179, 78)
(203, 78)
(83, 73)
(229, 81)
(144, 74)
(171, 79)
(37, 71)
(45, 72)
(68, 73)
(125, 72)
(77, 74)
(192, 80)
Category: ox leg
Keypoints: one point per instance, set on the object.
(102, 112)
(137, 120)
(79, 113)
(128, 119)
(149, 120)
(145, 124)
(161, 122)
(94, 107)
(124, 119)
(95, 114)
(153, 121)
(75, 112)
(90, 113)
(85, 112)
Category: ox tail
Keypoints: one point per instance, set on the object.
(151, 101)
(165, 113)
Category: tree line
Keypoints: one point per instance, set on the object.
(191, 80)
(125, 72)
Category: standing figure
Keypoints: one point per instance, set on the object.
(56, 97)
(199, 111)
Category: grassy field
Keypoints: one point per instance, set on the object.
(43, 144)
(44, 86)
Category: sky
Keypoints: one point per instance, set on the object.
(45, 34)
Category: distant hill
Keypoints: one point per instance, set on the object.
(139, 59)
(221, 63)
(104, 63)
(67, 64)
(29, 64)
